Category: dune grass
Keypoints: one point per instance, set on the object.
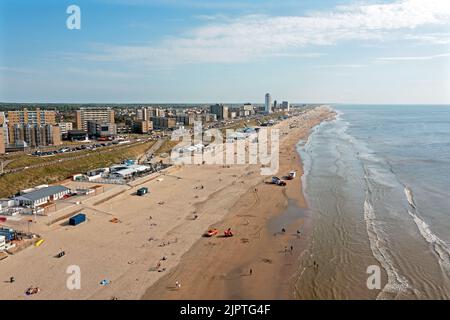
(11, 183)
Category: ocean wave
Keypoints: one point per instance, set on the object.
(439, 246)
(409, 197)
(396, 283)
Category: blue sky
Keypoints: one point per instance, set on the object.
(342, 51)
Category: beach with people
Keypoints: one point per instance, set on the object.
(152, 246)
(271, 226)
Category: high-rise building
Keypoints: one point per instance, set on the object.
(37, 116)
(21, 119)
(4, 132)
(163, 123)
(2, 141)
(285, 105)
(248, 108)
(142, 114)
(53, 135)
(105, 115)
(34, 135)
(147, 113)
(268, 103)
(220, 110)
(2, 119)
(185, 119)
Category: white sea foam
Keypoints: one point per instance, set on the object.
(439, 246)
(396, 283)
(409, 197)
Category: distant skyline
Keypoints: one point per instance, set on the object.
(198, 51)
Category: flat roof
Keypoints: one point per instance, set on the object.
(125, 172)
(42, 193)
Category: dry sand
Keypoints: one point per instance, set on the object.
(161, 224)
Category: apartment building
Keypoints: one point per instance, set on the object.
(96, 128)
(142, 126)
(65, 127)
(38, 116)
(105, 115)
(163, 123)
(220, 110)
(185, 119)
(19, 120)
(34, 135)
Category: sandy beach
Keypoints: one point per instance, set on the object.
(261, 260)
(158, 239)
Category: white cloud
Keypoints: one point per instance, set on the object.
(439, 38)
(415, 58)
(17, 70)
(253, 37)
(99, 73)
(344, 66)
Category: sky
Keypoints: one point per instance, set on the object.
(229, 51)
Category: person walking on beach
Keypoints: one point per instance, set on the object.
(251, 272)
(292, 249)
(11, 279)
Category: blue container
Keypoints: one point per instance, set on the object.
(77, 219)
(142, 191)
(9, 235)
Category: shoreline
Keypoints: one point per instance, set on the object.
(219, 268)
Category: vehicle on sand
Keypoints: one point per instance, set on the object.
(278, 181)
(228, 233)
(32, 290)
(291, 175)
(211, 232)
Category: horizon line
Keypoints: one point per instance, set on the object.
(221, 102)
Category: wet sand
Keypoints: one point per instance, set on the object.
(257, 263)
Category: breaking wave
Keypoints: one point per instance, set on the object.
(396, 283)
(440, 247)
(409, 197)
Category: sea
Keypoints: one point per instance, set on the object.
(377, 182)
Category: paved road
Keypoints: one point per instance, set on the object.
(152, 150)
(44, 164)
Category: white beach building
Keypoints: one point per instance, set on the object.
(41, 196)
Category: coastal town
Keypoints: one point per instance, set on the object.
(129, 216)
(223, 159)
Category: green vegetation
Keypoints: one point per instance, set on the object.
(24, 160)
(21, 159)
(11, 183)
(166, 147)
